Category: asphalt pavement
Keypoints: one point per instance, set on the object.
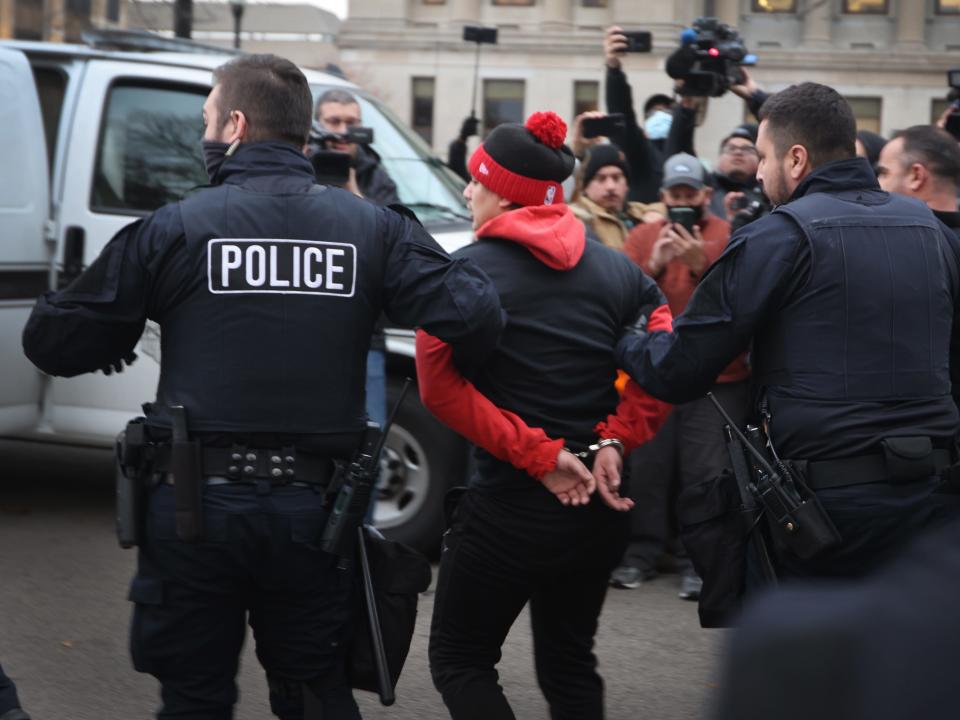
(64, 618)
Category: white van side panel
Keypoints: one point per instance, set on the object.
(24, 265)
(94, 408)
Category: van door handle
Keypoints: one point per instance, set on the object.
(74, 241)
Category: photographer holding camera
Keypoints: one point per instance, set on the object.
(643, 146)
(708, 63)
(337, 112)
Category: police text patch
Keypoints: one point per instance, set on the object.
(281, 266)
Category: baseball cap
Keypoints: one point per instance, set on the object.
(682, 169)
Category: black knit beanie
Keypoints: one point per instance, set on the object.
(599, 156)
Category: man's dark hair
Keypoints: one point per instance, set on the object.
(815, 116)
(273, 95)
(336, 95)
(655, 100)
(933, 148)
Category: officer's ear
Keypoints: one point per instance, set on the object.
(797, 162)
(916, 177)
(236, 127)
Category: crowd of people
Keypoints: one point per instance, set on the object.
(657, 280)
(630, 189)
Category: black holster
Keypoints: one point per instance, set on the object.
(186, 463)
(132, 456)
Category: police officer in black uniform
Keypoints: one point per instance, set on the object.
(9, 702)
(266, 287)
(848, 296)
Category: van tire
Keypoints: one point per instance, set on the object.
(422, 460)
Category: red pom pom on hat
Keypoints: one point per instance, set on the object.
(548, 127)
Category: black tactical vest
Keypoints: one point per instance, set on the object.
(277, 306)
(862, 349)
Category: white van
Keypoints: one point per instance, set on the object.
(92, 139)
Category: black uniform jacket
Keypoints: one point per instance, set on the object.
(848, 295)
(266, 289)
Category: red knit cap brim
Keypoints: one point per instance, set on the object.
(508, 184)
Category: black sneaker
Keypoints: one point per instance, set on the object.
(690, 586)
(629, 577)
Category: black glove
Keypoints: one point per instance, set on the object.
(470, 127)
(118, 365)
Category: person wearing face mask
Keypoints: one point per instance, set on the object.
(266, 287)
(690, 447)
(643, 143)
(601, 198)
(848, 298)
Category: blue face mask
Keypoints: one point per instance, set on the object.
(657, 126)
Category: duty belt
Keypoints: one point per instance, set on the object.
(865, 469)
(242, 464)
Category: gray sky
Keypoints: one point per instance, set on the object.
(337, 7)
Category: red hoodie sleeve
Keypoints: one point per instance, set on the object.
(464, 409)
(639, 416)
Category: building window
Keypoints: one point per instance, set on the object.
(774, 6)
(938, 108)
(513, 2)
(28, 20)
(113, 10)
(867, 112)
(947, 7)
(586, 96)
(434, 2)
(594, 3)
(502, 102)
(866, 7)
(422, 110)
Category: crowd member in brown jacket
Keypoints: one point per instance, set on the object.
(689, 448)
(601, 197)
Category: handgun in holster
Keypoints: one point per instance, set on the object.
(186, 466)
(132, 464)
(353, 496)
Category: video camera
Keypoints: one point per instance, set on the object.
(752, 206)
(709, 58)
(332, 167)
(952, 125)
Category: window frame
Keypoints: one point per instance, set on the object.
(845, 9)
(577, 83)
(757, 10)
(413, 105)
(940, 12)
(483, 99)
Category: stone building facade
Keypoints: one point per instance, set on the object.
(888, 56)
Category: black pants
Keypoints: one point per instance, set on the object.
(258, 561)
(689, 449)
(877, 521)
(8, 693)
(502, 551)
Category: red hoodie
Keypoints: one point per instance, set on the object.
(556, 238)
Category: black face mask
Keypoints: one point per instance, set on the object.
(214, 154)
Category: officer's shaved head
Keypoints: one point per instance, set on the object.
(814, 116)
(273, 95)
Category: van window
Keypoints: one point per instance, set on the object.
(423, 182)
(51, 89)
(149, 152)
